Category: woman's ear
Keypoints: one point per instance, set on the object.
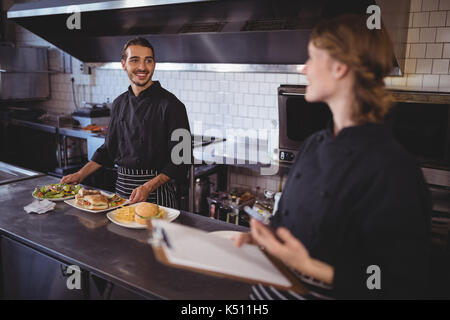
(339, 70)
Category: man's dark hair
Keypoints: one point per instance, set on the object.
(138, 41)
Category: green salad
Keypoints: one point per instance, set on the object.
(56, 191)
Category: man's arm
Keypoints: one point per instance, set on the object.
(80, 175)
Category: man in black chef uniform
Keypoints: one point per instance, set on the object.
(139, 133)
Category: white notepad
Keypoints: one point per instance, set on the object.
(198, 249)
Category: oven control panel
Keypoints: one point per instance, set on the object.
(287, 156)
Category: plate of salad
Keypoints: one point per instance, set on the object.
(56, 192)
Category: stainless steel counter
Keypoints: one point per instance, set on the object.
(10, 173)
(115, 253)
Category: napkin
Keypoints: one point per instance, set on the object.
(39, 207)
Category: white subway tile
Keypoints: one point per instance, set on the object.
(210, 76)
(292, 78)
(438, 19)
(248, 99)
(234, 86)
(259, 100)
(444, 83)
(427, 35)
(443, 35)
(249, 77)
(431, 81)
(418, 50)
(243, 111)
(239, 77)
(270, 101)
(259, 77)
(229, 98)
(224, 86)
(264, 88)
(220, 76)
(214, 85)
(254, 87)
(270, 77)
(420, 19)
(239, 98)
(187, 85)
(273, 88)
(210, 96)
(252, 112)
(440, 66)
(446, 53)
(424, 65)
(281, 78)
(205, 85)
(399, 81)
(444, 5)
(414, 81)
(243, 86)
(184, 75)
(434, 50)
(416, 5)
(410, 65)
(430, 5)
(258, 123)
(229, 76)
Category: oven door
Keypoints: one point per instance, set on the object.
(298, 120)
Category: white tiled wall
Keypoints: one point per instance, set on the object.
(428, 47)
(249, 100)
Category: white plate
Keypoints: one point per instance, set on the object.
(226, 234)
(53, 199)
(171, 214)
(73, 203)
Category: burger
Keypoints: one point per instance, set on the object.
(84, 192)
(145, 211)
(95, 202)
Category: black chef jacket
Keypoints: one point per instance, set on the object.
(358, 199)
(140, 129)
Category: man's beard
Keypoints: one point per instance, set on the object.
(131, 75)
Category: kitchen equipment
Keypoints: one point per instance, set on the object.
(92, 113)
(298, 119)
(277, 198)
(23, 73)
(271, 35)
(202, 189)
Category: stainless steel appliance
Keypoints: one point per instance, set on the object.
(298, 119)
(241, 35)
(23, 73)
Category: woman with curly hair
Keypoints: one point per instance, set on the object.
(354, 217)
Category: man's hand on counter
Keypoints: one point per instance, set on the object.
(74, 178)
(80, 175)
(141, 193)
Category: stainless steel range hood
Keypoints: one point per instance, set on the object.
(220, 35)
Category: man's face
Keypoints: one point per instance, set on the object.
(139, 65)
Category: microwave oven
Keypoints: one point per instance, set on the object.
(298, 119)
(419, 121)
